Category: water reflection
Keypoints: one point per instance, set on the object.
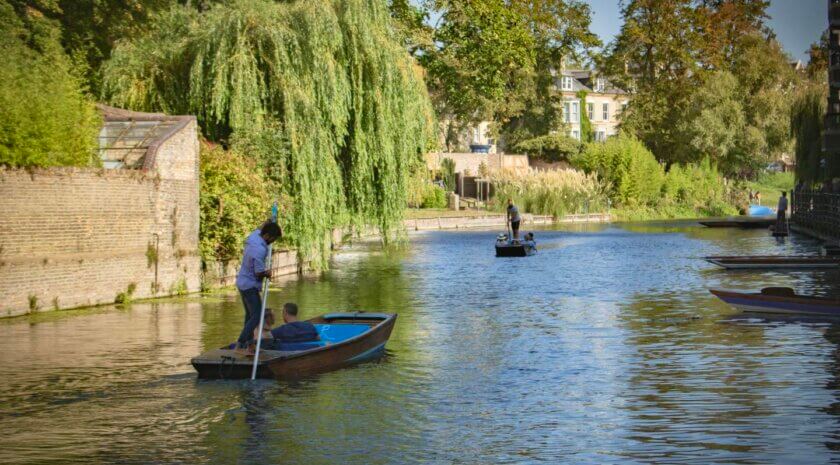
(605, 347)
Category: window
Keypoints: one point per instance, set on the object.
(570, 112)
(606, 111)
(599, 85)
(576, 135)
(590, 110)
(623, 107)
(575, 115)
(600, 135)
(566, 83)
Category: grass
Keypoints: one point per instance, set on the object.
(771, 185)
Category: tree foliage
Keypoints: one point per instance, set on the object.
(551, 147)
(234, 200)
(45, 118)
(322, 93)
(806, 124)
(673, 53)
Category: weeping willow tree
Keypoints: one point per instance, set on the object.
(806, 127)
(321, 93)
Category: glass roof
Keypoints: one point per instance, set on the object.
(123, 144)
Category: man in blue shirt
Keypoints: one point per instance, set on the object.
(294, 330)
(250, 276)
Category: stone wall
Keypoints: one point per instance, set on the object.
(469, 162)
(73, 237)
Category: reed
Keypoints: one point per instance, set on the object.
(556, 193)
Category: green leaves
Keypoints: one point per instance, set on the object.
(45, 119)
(322, 95)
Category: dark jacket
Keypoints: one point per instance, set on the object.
(297, 331)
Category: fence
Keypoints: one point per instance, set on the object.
(819, 212)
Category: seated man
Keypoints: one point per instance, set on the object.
(294, 330)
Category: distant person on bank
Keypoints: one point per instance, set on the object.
(513, 218)
(249, 280)
(781, 209)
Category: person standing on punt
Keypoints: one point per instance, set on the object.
(250, 276)
(513, 218)
(781, 209)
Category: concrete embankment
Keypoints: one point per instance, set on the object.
(489, 221)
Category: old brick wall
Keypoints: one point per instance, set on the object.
(73, 237)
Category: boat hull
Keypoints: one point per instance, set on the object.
(774, 262)
(507, 249)
(746, 222)
(778, 304)
(226, 364)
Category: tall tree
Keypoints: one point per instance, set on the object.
(656, 55)
(322, 94)
(560, 29)
(482, 61)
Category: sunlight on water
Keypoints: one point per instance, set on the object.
(605, 347)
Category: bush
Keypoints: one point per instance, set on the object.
(234, 200)
(433, 197)
(45, 119)
(552, 147)
(624, 163)
(554, 193)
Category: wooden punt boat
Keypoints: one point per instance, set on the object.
(505, 248)
(741, 222)
(767, 262)
(346, 339)
(782, 300)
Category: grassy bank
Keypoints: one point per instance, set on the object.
(771, 185)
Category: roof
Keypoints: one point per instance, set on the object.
(583, 80)
(131, 139)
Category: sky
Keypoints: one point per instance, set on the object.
(797, 23)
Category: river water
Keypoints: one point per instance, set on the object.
(605, 347)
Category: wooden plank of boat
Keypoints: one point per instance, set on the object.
(779, 300)
(369, 332)
(774, 262)
(515, 249)
(740, 222)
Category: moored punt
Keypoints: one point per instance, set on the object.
(506, 248)
(774, 262)
(740, 222)
(345, 339)
(782, 300)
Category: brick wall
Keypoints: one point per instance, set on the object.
(73, 237)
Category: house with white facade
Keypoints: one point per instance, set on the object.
(603, 104)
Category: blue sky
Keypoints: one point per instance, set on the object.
(797, 23)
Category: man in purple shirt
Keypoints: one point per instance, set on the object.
(249, 280)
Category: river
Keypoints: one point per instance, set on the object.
(605, 347)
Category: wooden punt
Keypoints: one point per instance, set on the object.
(767, 262)
(346, 339)
(782, 300)
(741, 222)
(506, 248)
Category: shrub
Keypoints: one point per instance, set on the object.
(45, 119)
(552, 147)
(627, 166)
(433, 197)
(447, 168)
(554, 193)
(234, 201)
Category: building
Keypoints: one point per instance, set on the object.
(603, 103)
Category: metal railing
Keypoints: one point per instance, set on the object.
(817, 211)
